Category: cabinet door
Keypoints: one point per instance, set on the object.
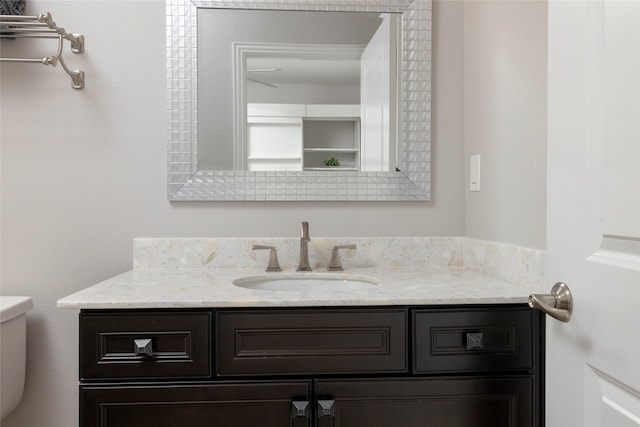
(274, 143)
(265, 404)
(426, 402)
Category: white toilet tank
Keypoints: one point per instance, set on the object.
(13, 350)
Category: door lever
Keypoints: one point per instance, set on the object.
(558, 304)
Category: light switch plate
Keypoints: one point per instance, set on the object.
(474, 174)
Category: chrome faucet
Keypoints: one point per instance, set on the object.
(303, 260)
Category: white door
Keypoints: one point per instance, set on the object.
(593, 240)
(377, 98)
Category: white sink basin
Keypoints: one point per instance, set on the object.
(306, 282)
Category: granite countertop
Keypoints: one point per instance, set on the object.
(197, 287)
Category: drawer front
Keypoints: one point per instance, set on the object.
(473, 340)
(303, 342)
(148, 345)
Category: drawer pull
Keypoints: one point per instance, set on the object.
(475, 341)
(326, 408)
(300, 409)
(143, 347)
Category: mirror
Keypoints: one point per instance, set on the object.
(230, 87)
(296, 91)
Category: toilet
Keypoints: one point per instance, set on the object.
(13, 350)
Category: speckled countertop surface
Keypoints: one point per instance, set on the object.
(197, 287)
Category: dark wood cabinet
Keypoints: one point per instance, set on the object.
(268, 404)
(311, 341)
(501, 401)
(178, 345)
(453, 366)
(457, 340)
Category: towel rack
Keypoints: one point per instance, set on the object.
(43, 26)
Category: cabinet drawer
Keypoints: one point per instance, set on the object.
(173, 344)
(468, 340)
(312, 341)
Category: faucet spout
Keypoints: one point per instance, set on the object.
(303, 260)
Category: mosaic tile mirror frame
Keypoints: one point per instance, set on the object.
(410, 182)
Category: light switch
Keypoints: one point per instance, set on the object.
(474, 174)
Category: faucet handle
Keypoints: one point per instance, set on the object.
(273, 257)
(334, 263)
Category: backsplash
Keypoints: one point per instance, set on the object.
(522, 266)
(237, 252)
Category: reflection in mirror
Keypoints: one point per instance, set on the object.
(311, 90)
(232, 111)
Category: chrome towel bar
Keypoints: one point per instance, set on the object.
(42, 26)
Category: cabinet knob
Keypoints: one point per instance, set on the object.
(326, 408)
(475, 341)
(300, 409)
(143, 347)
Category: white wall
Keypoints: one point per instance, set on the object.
(83, 173)
(505, 114)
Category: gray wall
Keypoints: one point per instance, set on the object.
(505, 114)
(83, 173)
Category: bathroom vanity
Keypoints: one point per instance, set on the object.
(198, 334)
(187, 347)
(471, 365)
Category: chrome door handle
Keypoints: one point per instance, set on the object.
(558, 304)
